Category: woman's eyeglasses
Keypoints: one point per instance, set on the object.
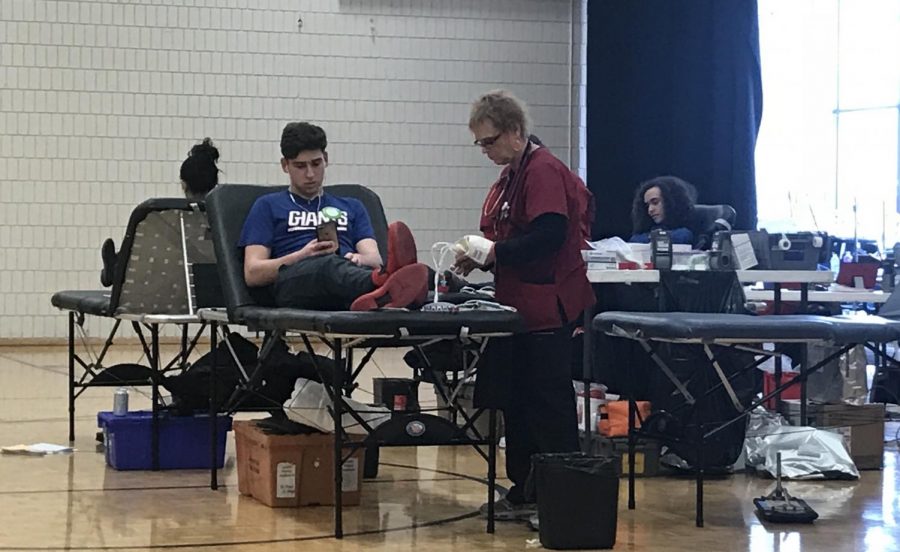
(488, 141)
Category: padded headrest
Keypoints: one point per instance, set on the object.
(708, 219)
(227, 207)
(705, 216)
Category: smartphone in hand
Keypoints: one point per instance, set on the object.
(327, 231)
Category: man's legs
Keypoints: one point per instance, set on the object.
(326, 282)
(330, 282)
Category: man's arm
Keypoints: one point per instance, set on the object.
(261, 270)
(366, 254)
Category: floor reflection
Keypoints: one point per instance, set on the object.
(423, 498)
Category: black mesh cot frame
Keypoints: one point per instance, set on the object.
(345, 331)
(152, 285)
(734, 331)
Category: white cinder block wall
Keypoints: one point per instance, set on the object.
(101, 100)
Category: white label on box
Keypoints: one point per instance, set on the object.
(350, 481)
(285, 480)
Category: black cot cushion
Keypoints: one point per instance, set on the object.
(93, 302)
(389, 323)
(713, 326)
(860, 329)
(723, 328)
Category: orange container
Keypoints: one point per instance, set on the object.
(614, 418)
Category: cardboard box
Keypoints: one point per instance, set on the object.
(862, 428)
(292, 470)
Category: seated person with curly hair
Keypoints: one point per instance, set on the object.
(665, 202)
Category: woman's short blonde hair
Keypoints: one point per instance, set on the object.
(505, 111)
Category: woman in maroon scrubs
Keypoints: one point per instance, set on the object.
(538, 214)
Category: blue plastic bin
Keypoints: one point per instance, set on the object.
(183, 440)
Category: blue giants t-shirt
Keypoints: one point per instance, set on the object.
(285, 222)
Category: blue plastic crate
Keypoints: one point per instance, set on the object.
(183, 440)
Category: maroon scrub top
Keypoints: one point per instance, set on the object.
(546, 289)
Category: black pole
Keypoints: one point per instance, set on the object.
(492, 467)
(631, 447)
(699, 499)
(337, 385)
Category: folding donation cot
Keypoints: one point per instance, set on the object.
(717, 333)
(343, 332)
(153, 284)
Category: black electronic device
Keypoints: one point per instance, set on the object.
(327, 231)
(780, 507)
(661, 250)
(721, 254)
(790, 250)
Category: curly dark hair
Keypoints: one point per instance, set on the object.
(199, 171)
(678, 204)
(297, 137)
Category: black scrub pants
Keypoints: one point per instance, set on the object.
(540, 413)
(325, 282)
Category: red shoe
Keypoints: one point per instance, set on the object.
(401, 247)
(401, 251)
(407, 287)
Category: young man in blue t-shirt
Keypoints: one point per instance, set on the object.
(281, 247)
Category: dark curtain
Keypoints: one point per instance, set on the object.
(673, 88)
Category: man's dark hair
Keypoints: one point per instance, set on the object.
(199, 171)
(678, 204)
(298, 137)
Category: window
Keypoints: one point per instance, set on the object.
(828, 146)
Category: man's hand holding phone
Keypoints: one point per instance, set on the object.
(317, 247)
(327, 233)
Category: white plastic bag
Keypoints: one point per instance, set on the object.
(621, 250)
(309, 404)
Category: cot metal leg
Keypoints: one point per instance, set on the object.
(631, 446)
(778, 374)
(71, 377)
(803, 362)
(213, 411)
(184, 346)
(587, 373)
(337, 385)
(154, 385)
(699, 470)
(492, 467)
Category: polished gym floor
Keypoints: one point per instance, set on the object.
(424, 499)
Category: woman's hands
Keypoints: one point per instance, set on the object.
(464, 265)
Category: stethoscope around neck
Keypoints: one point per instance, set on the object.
(494, 209)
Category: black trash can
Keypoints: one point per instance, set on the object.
(578, 499)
